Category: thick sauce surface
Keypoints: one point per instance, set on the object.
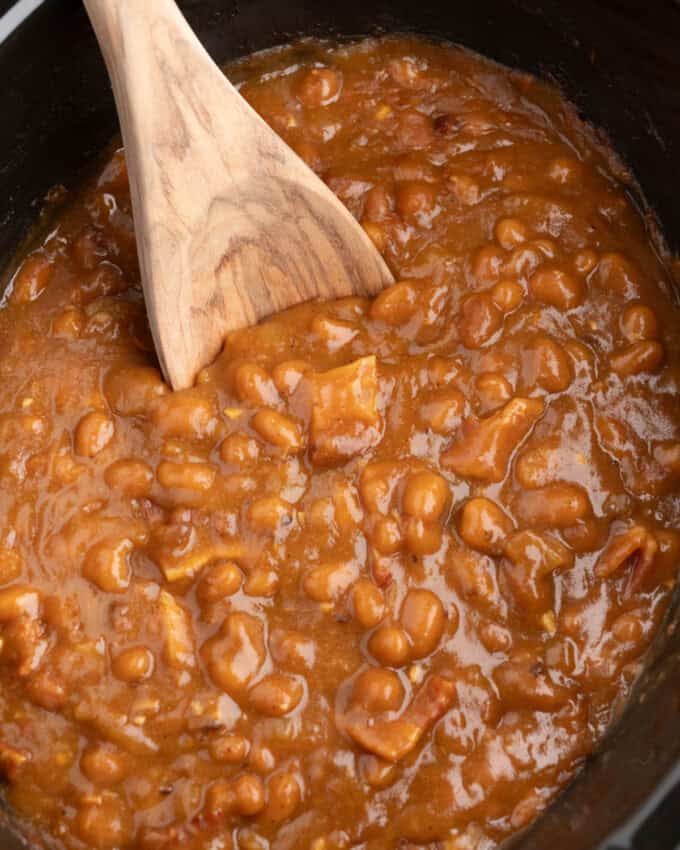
(380, 579)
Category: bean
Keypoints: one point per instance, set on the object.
(484, 526)
(378, 203)
(639, 322)
(253, 385)
(555, 287)
(133, 665)
(547, 365)
(335, 333)
(445, 412)
(480, 320)
(494, 390)
(346, 506)
(511, 232)
(368, 603)
(279, 430)
(32, 278)
(104, 824)
(269, 514)
(377, 484)
(329, 581)
(534, 467)
(415, 199)
(386, 536)
(585, 261)
(627, 628)
(240, 450)
(230, 748)
(377, 772)
(103, 765)
(441, 371)
(389, 646)
(555, 506)
(18, 601)
(250, 795)
(261, 582)
(377, 690)
(186, 476)
(507, 295)
(107, 565)
(220, 800)
(134, 390)
(189, 414)
(423, 538)
(319, 87)
(45, 689)
(276, 695)
(93, 433)
(377, 235)
(130, 476)
(522, 262)
(643, 356)
(218, 581)
(283, 797)
(426, 496)
(236, 654)
(423, 619)
(395, 305)
(616, 273)
(287, 375)
(495, 638)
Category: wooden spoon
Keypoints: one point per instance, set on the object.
(231, 225)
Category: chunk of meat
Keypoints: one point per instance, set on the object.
(394, 739)
(523, 685)
(485, 446)
(532, 558)
(636, 547)
(177, 566)
(178, 639)
(345, 417)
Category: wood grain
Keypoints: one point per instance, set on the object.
(231, 225)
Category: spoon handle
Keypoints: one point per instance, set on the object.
(231, 225)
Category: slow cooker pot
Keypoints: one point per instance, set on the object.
(618, 60)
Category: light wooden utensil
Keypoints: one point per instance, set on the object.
(231, 225)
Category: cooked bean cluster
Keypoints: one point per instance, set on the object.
(377, 580)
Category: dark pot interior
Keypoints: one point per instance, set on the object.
(618, 60)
